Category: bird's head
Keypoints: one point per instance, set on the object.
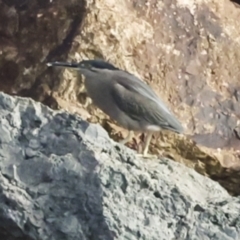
(86, 67)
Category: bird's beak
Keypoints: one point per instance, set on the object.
(62, 64)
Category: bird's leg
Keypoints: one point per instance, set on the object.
(87, 103)
(146, 148)
(128, 138)
(82, 89)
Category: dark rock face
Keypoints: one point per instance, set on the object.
(62, 178)
(31, 33)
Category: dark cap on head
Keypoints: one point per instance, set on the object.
(99, 64)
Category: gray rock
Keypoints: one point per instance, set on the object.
(63, 178)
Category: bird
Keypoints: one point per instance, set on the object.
(125, 98)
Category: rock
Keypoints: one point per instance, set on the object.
(188, 51)
(63, 178)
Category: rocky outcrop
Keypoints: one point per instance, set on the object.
(188, 51)
(63, 178)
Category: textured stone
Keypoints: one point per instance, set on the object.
(63, 178)
(188, 51)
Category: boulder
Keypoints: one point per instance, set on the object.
(188, 51)
(62, 178)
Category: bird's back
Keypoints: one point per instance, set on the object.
(140, 102)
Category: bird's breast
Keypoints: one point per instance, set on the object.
(100, 93)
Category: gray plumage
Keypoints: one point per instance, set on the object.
(124, 97)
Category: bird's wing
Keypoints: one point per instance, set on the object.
(137, 100)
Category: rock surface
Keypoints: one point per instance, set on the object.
(62, 178)
(188, 51)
